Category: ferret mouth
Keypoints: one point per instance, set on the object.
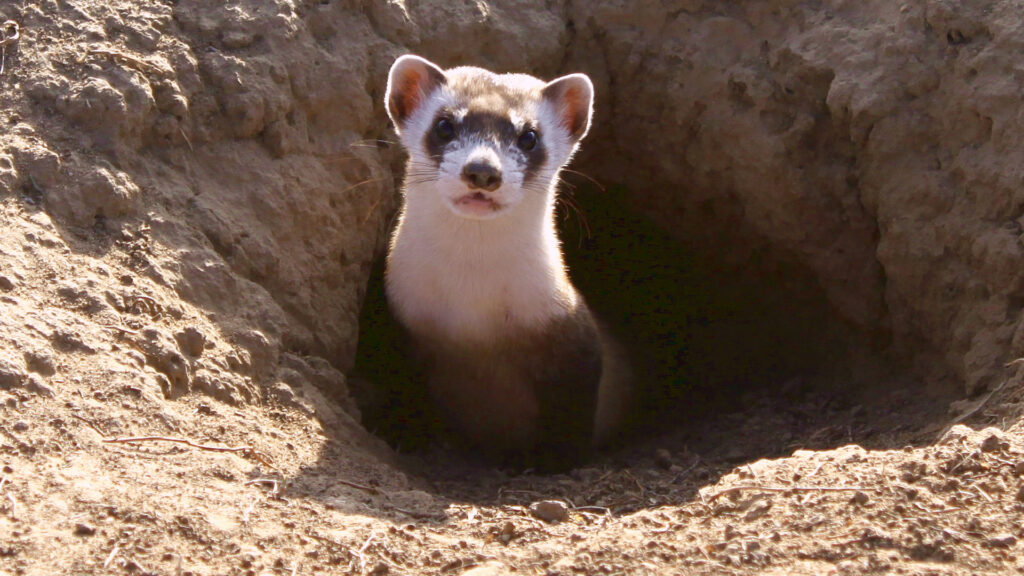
(477, 204)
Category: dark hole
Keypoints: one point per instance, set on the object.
(714, 333)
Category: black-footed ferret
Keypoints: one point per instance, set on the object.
(511, 354)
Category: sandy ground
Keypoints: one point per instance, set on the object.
(191, 197)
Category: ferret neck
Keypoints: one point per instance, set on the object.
(529, 223)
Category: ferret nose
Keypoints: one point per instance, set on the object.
(483, 175)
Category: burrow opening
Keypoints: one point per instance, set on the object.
(737, 360)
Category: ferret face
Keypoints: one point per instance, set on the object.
(480, 143)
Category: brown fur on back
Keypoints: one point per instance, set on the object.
(529, 396)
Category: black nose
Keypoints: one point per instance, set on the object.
(483, 175)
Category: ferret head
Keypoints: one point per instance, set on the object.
(484, 143)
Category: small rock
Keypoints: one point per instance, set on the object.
(83, 529)
(283, 393)
(994, 441)
(757, 511)
(41, 361)
(550, 511)
(162, 354)
(1020, 494)
(957, 433)
(11, 375)
(508, 532)
(37, 385)
(1002, 541)
(1018, 468)
(730, 532)
(191, 341)
(20, 426)
(6, 284)
(70, 341)
(859, 498)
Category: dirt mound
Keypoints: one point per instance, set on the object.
(809, 212)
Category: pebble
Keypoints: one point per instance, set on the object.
(1002, 541)
(859, 498)
(508, 532)
(20, 426)
(83, 529)
(1020, 494)
(990, 444)
(993, 442)
(37, 385)
(757, 511)
(6, 284)
(550, 510)
(11, 375)
(191, 340)
(41, 361)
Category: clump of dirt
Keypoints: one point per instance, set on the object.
(192, 197)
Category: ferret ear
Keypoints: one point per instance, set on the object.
(410, 81)
(572, 99)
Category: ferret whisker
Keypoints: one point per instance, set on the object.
(371, 143)
(588, 177)
(364, 182)
(583, 226)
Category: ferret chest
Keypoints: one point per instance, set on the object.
(475, 289)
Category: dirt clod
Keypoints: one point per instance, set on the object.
(41, 360)
(550, 510)
(191, 340)
(12, 375)
(994, 440)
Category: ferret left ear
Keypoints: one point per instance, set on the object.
(411, 80)
(572, 99)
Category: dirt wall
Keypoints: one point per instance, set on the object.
(236, 157)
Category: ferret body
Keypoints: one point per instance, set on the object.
(512, 356)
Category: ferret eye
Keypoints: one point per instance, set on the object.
(527, 140)
(444, 130)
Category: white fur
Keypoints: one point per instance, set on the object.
(469, 276)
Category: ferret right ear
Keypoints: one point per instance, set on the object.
(410, 81)
(572, 98)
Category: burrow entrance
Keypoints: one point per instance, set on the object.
(734, 362)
